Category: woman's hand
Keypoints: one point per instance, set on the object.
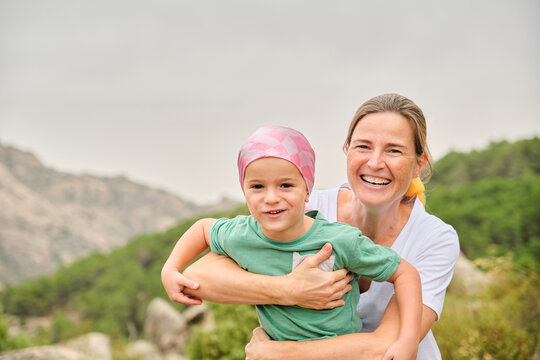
(175, 284)
(255, 349)
(310, 287)
(402, 350)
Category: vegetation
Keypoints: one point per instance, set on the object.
(500, 322)
(109, 292)
(491, 197)
(497, 214)
(501, 159)
(8, 342)
(234, 323)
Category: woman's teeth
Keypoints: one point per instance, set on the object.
(375, 180)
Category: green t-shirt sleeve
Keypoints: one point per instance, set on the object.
(219, 234)
(375, 262)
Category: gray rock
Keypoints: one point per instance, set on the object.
(165, 327)
(44, 353)
(142, 350)
(175, 356)
(95, 346)
(467, 277)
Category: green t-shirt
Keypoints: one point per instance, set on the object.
(242, 240)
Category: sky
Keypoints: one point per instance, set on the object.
(165, 92)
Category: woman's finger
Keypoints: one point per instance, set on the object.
(334, 304)
(341, 274)
(184, 281)
(181, 298)
(259, 335)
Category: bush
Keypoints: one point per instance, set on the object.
(8, 342)
(233, 327)
(500, 322)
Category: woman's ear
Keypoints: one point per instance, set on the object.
(421, 162)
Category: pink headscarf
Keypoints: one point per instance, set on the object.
(279, 142)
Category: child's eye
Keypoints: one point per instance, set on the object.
(256, 186)
(287, 185)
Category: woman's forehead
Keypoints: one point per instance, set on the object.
(383, 126)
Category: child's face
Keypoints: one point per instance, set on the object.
(275, 194)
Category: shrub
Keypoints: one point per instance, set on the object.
(500, 322)
(233, 327)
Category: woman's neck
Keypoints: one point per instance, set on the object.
(381, 224)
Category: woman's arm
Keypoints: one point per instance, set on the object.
(361, 346)
(222, 280)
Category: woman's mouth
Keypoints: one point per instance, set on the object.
(375, 180)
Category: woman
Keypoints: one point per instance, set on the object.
(386, 153)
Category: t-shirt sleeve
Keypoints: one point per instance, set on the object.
(219, 235)
(373, 261)
(436, 266)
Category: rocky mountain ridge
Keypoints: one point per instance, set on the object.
(49, 218)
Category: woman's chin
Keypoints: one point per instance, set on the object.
(376, 198)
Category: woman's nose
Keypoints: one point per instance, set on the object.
(376, 160)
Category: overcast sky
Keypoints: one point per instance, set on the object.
(165, 92)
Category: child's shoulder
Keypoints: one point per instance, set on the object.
(237, 221)
(337, 230)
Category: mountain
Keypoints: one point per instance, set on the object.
(48, 217)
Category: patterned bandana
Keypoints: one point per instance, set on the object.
(279, 142)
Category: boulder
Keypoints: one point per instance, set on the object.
(199, 315)
(95, 346)
(142, 350)
(165, 327)
(175, 356)
(467, 277)
(53, 352)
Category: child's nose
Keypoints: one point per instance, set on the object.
(271, 196)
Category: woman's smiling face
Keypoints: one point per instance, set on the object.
(381, 158)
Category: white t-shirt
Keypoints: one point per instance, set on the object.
(426, 242)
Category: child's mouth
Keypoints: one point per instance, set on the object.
(275, 212)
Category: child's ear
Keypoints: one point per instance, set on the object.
(307, 197)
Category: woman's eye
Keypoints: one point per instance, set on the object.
(395, 151)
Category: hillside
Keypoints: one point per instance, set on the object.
(509, 160)
(492, 198)
(50, 218)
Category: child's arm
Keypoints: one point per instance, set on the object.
(408, 291)
(194, 241)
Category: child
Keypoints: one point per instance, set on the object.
(276, 168)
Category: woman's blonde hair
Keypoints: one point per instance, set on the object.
(407, 108)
